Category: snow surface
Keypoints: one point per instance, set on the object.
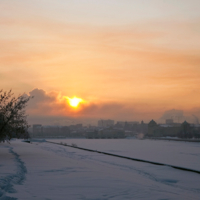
(178, 153)
(48, 171)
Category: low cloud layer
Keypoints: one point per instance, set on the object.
(53, 108)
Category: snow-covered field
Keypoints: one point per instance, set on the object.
(47, 171)
(178, 153)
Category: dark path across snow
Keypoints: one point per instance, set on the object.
(129, 158)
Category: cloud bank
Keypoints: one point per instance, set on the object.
(54, 105)
(53, 108)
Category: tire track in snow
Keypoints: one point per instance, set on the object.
(7, 183)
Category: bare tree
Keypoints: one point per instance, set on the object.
(13, 122)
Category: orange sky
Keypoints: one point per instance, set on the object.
(129, 60)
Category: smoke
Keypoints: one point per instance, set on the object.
(179, 116)
(196, 119)
(176, 115)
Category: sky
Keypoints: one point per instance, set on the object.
(128, 60)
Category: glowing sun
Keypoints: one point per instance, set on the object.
(74, 102)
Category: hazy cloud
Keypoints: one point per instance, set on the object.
(40, 96)
(43, 103)
(52, 105)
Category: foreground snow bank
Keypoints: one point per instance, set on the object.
(48, 171)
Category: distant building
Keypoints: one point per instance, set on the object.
(132, 123)
(106, 123)
(65, 129)
(120, 124)
(143, 128)
(152, 128)
(132, 128)
(105, 133)
(76, 127)
(126, 123)
(169, 121)
(39, 131)
(37, 128)
(51, 131)
(184, 130)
